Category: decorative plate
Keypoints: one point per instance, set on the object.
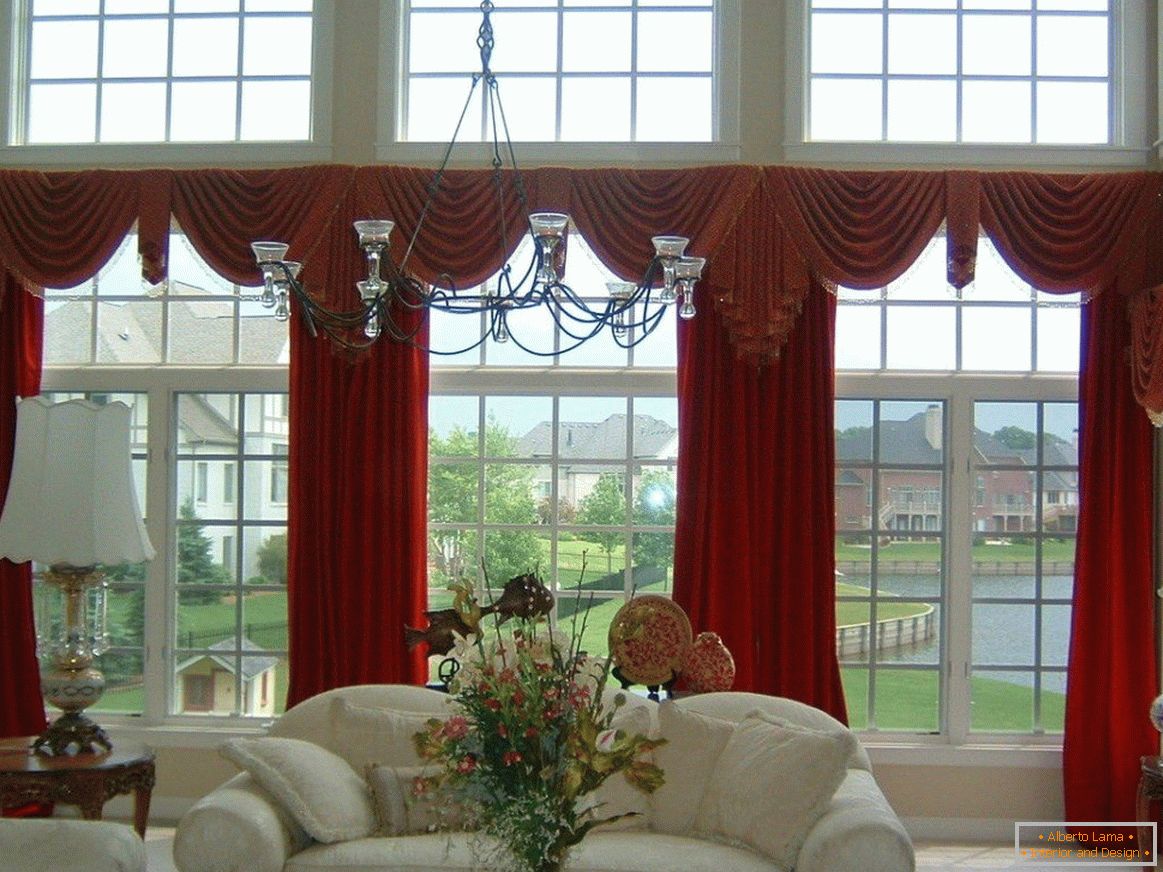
(708, 666)
(649, 637)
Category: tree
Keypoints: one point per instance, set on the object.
(1016, 438)
(272, 560)
(604, 505)
(453, 496)
(654, 503)
(195, 565)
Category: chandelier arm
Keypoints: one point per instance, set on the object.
(518, 179)
(438, 178)
(397, 333)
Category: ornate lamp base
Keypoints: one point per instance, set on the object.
(72, 728)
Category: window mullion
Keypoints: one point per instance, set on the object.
(959, 578)
(160, 608)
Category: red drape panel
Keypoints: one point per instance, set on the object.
(754, 543)
(1147, 349)
(357, 534)
(21, 324)
(1113, 674)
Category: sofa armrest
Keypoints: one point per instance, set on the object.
(237, 828)
(859, 831)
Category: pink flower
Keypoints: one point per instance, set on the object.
(530, 732)
(466, 764)
(502, 731)
(518, 698)
(606, 739)
(493, 703)
(456, 727)
(419, 786)
(507, 676)
(511, 758)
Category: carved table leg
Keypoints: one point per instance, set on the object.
(141, 799)
(1143, 811)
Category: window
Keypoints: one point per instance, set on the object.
(562, 465)
(201, 482)
(134, 71)
(984, 71)
(279, 481)
(954, 584)
(653, 79)
(220, 617)
(231, 613)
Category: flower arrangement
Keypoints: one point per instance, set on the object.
(530, 743)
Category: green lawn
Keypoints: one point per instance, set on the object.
(907, 700)
(848, 613)
(1052, 549)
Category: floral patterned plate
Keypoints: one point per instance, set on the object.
(649, 638)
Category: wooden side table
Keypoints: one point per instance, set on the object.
(85, 780)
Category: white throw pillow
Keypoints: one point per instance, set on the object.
(617, 796)
(693, 745)
(401, 811)
(365, 735)
(317, 788)
(773, 781)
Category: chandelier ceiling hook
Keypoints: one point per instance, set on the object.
(486, 41)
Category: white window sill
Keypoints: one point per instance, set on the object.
(1013, 755)
(530, 154)
(164, 153)
(965, 155)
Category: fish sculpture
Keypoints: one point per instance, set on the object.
(524, 596)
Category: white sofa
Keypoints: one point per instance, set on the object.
(238, 828)
(53, 845)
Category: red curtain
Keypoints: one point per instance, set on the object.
(21, 323)
(754, 540)
(357, 535)
(1112, 675)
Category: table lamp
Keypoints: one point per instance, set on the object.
(72, 507)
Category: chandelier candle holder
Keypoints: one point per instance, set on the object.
(72, 507)
(630, 310)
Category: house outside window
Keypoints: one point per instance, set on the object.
(963, 567)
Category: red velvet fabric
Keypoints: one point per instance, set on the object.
(754, 539)
(21, 323)
(1112, 674)
(1147, 348)
(357, 532)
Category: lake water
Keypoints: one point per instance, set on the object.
(1003, 634)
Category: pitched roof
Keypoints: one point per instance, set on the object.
(251, 666)
(602, 440)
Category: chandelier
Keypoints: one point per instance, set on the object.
(630, 310)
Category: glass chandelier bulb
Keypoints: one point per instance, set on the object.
(620, 295)
(371, 329)
(501, 330)
(268, 291)
(548, 230)
(687, 309)
(375, 232)
(669, 249)
(283, 307)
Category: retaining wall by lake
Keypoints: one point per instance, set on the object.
(891, 633)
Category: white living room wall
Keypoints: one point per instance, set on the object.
(968, 792)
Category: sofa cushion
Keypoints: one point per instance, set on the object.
(773, 781)
(317, 788)
(693, 745)
(598, 852)
(617, 797)
(366, 736)
(400, 811)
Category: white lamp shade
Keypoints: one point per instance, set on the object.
(71, 498)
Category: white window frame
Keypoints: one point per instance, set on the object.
(1132, 35)
(724, 147)
(959, 391)
(13, 45)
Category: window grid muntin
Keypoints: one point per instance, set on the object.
(239, 525)
(164, 297)
(1034, 13)
(633, 75)
(874, 466)
(1037, 536)
(243, 15)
